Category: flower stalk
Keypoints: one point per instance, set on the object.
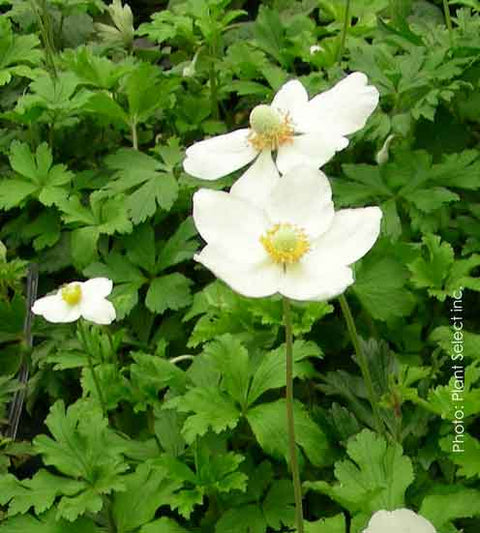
(448, 20)
(297, 487)
(343, 35)
(362, 361)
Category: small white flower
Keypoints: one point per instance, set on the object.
(315, 48)
(78, 299)
(296, 245)
(301, 132)
(399, 521)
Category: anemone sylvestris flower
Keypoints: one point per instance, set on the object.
(296, 245)
(78, 299)
(300, 131)
(399, 521)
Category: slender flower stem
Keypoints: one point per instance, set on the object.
(362, 361)
(448, 20)
(297, 488)
(82, 332)
(134, 134)
(343, 35)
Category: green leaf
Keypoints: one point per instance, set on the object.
(212, 410)
(163, 525)
(269, 422)
(146, 490)
(180, 247)
(168, 292)
(270, 374)
(41, 491)
(466, 454)
(431, 270)
(37, 177)
(375, 477)
(245, 519)
(82, 447)
(380, 287)
(335, 524)
(145, 181)
(468, 344)
(230, 358)
(47, 523)
(449, 503)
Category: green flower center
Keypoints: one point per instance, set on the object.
(285, 243)
(265, 120)
(72, 294)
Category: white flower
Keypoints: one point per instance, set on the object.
(300, 131)
(399, 521)
(77, 299)
(315, 48)
(296, 245)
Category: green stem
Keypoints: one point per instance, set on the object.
(97, 383)
(448, 20)
(92, 367)
(213, 80)
(297, 487)
(343, 35)
(134, 134)
(362, 361)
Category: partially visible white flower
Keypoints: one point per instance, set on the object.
(383, 154)
(315, 48)
(78, 299)
(296, 245)
(399, 521)
(301, 132)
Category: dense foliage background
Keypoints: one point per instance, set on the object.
(96, 111)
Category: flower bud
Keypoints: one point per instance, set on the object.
(382, 155)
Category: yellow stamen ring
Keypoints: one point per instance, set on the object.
(72, 294)
(285, 243)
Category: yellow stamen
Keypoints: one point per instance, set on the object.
(72, 294)
(285, 243)
(270, 129)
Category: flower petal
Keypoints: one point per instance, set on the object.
(399, 521)
(230, 223)
(98, 310)
(216, 157)
(254, 280)
(313, 149)
(291, 99)
(302, 197)
(256, 184)
(55, 309)
(99, 287)
(351, 235)
(311, 279)
(344, 108)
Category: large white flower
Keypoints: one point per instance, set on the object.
(295, 245)
(399, 521)
(298, 130)
(78, 299)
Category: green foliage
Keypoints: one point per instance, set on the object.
(173, 419)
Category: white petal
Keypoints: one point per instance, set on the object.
(312, 279)
(399, 521)
(313, 149)
(302, 197)
(230, 223)
(345, 108)
(100, 287)
(252, 280)
(256, 184)
(291, 99)
(98, 310)
(352, 233)
(55, 309)
(216, 157)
